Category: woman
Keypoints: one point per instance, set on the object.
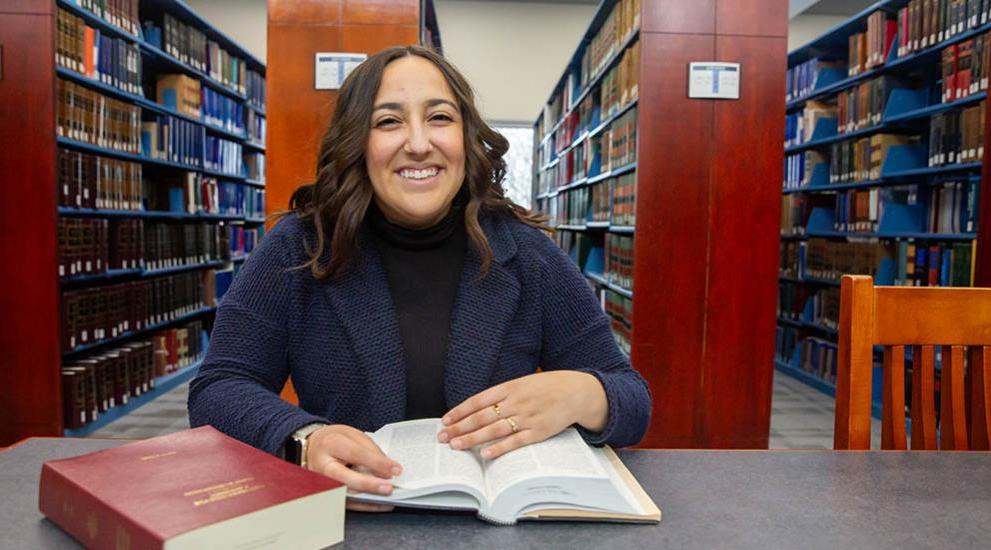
(403, 284)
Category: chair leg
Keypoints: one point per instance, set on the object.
(952, 418)
(980, 398)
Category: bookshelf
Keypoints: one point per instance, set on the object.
(662, 202)
(906, 83)
(139, 130)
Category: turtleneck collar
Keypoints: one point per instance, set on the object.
(419, 239)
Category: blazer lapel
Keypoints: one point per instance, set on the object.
(364, 305)
(482, 312)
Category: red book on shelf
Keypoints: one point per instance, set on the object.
(192, 489)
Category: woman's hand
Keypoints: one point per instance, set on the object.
(347, 455)
(538, 406)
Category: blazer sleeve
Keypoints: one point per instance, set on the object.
(577, 336)
(246, 366)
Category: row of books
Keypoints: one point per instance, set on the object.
(791, 300)
(925, 23)
(619, 260)
(621, 84)
(819, 306)
(957, 136)
(243, 240)
(256, 89)
(572, 206)
(816, 356)
(122, 14)
(87, 51)
(862, 159)
(800, 125)
(621, 138)
(191, 46)
(619, 309)
(965, 68)
(621, 22)
(88, 246)
(800, 80)
(92, 181)
(222, 155)
(934, 264)
(173, 139)
(614, 200)
(223, 112)
(94, 384)
(863, 105)
(88, 116)
(94, 314)
(240, 200)
(827, 260)
(870, 49)
(800, 167)
(254, 165)
(256, 127)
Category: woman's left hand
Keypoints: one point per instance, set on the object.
(539, 406)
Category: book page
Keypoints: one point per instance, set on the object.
(413, 444)
(565, 454)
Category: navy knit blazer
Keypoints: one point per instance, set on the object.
(340, 340)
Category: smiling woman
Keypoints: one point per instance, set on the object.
(403, 284)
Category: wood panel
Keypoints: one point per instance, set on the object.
(678, 16)
(302, 12)
(954, 316)
(381, 13)
(743, 225)
(751, 18)
(30, 383)
(27, 7)
(671, 242)
(372, 39)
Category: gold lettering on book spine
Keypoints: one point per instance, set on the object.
(123, 539)
(92, 525)
(223, 491)
(159, 455)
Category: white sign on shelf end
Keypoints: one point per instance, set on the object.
(332, 68)
(713, 80)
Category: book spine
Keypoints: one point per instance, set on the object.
(88, 519)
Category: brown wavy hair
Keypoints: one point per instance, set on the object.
(337, 201)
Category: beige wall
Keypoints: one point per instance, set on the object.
(804, 28)
(512, 52)
(243, 21)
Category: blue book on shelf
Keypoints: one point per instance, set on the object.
(177, 199)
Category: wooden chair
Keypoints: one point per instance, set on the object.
(920, 317)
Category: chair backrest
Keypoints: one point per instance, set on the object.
(922, 318)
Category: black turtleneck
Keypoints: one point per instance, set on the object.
(424, 269)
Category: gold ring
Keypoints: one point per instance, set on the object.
(513, 424)
(498, 411)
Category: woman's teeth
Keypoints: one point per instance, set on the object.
(419, 174)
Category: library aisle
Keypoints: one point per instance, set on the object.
(801, 417)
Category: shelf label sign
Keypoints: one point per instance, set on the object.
(332, 68)
(714, 80)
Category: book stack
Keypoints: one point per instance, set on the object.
(791, 301)
(622, 21)
(620, 85)
(619, 260)
(800, 167)
(256, 127)
(254, 165)
(957, 136)
(168, 245)
(122, 14)
(818, 357)
(87, 51)
(225, 67)
(965, 68)
(221, 155)
(799, 126)
(223, 112)
(256, 90)
(242, 240)
(82, 246)
(180, 93)
(624, 199)
(184, 42)
(925, 23)
(862, 106)
(862, 159)
(177, 348)
(173, 139)
(601, 203)
(622, 148)
(89, 116)
(94, 384)
(620, 311)
(871, 49)
(801, 80)
(92, 315)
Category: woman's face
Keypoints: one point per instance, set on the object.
(415, 155)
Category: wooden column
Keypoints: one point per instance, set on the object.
(708, 203)
(30, 381)
(298, 114)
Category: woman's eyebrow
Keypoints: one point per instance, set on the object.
(388, 107)
(429, 103)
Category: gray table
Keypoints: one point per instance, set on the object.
(709, 499)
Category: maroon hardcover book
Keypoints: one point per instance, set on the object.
(193, 489)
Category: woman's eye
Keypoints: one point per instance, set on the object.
(386, 122)
(442, 118)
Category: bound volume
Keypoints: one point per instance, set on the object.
(192, 489)
(562, 478)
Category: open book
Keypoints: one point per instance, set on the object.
(561, 478)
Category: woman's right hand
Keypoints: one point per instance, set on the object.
(347, 455)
